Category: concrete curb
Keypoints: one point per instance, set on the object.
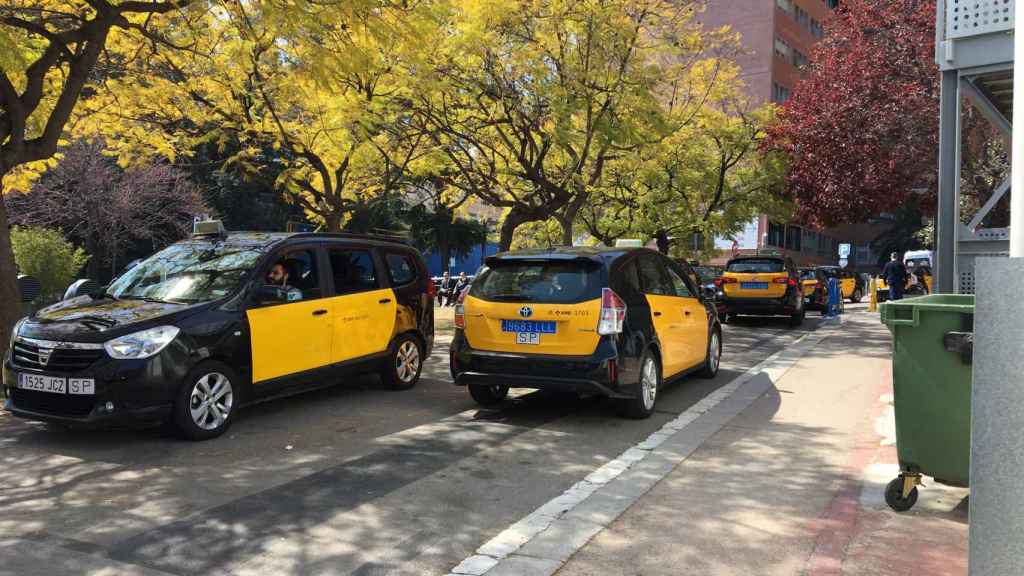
(540, 543)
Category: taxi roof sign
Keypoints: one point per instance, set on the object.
(629, 243)
(208, 228)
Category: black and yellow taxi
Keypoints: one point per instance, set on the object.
(761, 285)
(815, 285)
(851, 285)
(617, 322)
(219, 320)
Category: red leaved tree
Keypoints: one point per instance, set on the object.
(861, 131)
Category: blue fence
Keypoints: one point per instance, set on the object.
(469, 264)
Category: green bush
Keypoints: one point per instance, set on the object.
(45, 254)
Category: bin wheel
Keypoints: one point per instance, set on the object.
(894, 496)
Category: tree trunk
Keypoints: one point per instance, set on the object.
(661, 237)
(10, 295)
(508, 229)
(444, 249)
(332, 222)
(567, 218)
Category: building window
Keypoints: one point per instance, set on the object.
(785, 5)
(776, 235)
(793, 234)
(799, 60)
(816, 30)
(779, 93)
(783, 50)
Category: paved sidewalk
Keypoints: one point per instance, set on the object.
(793, 485)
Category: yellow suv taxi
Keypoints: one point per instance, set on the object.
(615, 322)
(761, 285)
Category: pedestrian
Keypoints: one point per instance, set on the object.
(444, 290)
(920, 274)
(895, 275)
(460, 285)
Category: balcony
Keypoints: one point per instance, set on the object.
(974, 33)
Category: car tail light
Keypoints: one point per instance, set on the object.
(792, 282)
(782, 280)
(460, 310)
(724, 280)
(613, 313)
(613, 371)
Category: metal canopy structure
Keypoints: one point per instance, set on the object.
(974, 51)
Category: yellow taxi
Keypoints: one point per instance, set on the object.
(618, 322)
(761, 285)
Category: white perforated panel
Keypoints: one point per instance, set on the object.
(976, 17)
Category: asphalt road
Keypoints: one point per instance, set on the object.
(352, 479)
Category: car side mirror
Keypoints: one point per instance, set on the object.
(81, 288)
(270, 294)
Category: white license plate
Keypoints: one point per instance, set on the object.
(527, 338)
(57, 384)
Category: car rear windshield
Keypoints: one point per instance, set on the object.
(756, 266)
(808, 275)
(554, 282)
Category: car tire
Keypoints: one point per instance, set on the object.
(488, 394)
(713, 357)
(857, 296)
(203, 408)
(404, 364)
(642, 405)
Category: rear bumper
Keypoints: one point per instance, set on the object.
(582, 374)
(759, 306)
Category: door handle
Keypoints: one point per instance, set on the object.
(687, 312)
(657, 313)
(319, 312)
(384, 300)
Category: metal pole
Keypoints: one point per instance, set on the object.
(946, 221)
(1017, 156)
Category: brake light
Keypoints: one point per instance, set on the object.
(782, 280)
(460, 310)
(613, 313)
(613, 371)
(724, 280)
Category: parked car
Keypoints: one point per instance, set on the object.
(815, 286)
(619, 322)
(707, 276)
(851, 284)
(199, 329)
(761, 285)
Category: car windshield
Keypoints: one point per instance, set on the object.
(187, 273)
(765, 266)
(551, 282)
(915, 262)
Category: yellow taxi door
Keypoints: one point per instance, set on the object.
(362, 310)
(694, 322)
(292, 337)
(667, 315)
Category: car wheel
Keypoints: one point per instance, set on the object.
(207, 402)
(857, 296)
(488, 394)
(642, 405)
(404, 364)
(714, 355)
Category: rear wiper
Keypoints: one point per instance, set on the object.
(511, 297)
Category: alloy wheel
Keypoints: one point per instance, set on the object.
(715, 352)
(211, 401)
(649, 383)
(407, 361)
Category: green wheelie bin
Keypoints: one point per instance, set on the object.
(932, 346)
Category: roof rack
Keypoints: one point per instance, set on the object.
(357, 236)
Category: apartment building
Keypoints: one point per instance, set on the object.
(778, 37)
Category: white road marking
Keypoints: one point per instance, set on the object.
(551, 535)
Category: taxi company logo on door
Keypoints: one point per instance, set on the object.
(526, 311)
